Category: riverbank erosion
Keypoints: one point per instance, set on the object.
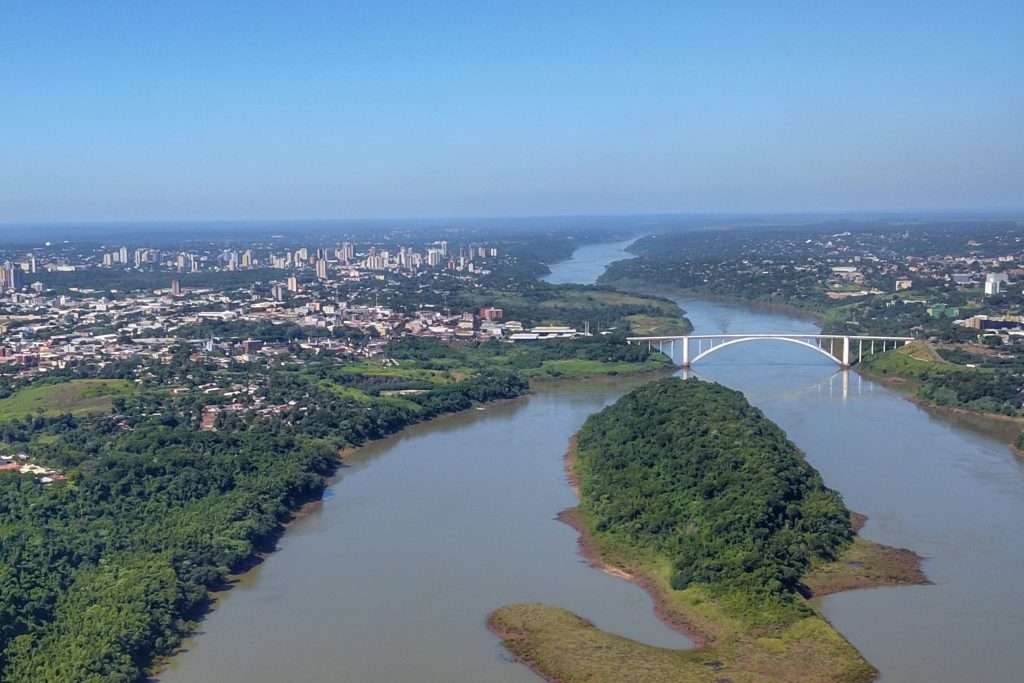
(734, 593)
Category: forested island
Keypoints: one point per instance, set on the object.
(694, 494)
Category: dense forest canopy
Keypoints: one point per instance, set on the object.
(691, 470)
(100, 573)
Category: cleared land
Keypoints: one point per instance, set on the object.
(77, 397)
(911, 362)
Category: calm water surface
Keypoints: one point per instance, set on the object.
(588, 262)
(391, 578)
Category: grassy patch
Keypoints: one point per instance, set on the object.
(866, 565)
(577, 368)
(346, 392)
(741, 646)
(78, 397)
(404, 370)
(910, 361)
(561, 646)
(578, 298)
(657, 326)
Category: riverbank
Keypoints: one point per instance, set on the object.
(906, 371)
(641, 287)
(560, 646)
(1009, 429)
(351, 456)
(1008, 426)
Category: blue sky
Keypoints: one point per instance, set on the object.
(161, 110)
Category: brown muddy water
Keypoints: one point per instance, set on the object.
(390, 578)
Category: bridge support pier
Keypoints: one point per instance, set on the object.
(686, 352)
(845, 362)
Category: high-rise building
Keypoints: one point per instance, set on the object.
(15, 277)
(994, 283)
(122, 255)
(293, 283)
(175, 287)
(444, 247)
(247, 258)
(346, 252)
(321, 269)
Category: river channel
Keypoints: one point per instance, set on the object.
(391, 577)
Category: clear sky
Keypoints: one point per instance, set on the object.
(175, 110)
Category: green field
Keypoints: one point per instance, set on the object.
(578, 368)
(911, 361)
(406, 370)
(657, 326)
(78, 397)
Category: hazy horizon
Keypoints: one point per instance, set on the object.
(192, 111)
(994, 213)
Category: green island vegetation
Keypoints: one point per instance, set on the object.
(696, 495)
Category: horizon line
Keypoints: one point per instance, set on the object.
(976, 212)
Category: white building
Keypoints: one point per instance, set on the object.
(995, 283)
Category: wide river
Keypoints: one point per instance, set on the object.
(391, 577)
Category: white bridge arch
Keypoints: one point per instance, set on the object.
(845, 350)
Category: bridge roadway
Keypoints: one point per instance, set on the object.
(837, 347)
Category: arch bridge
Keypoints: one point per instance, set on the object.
(842, 349)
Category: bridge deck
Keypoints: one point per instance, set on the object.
(782, 335)
(846, 354)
